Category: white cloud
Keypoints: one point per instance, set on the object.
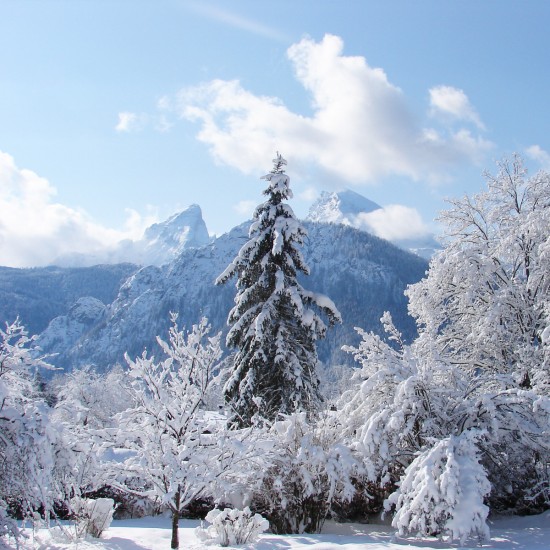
(361, 128)
(245, 208)
(133, 122)
(393, 222)
(128, 122)
(309, 194)
(453, 102)
(35, 230)
(539, 155)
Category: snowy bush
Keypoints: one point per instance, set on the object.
(92, 517)
(408, 398)
(87, 402)
(305, 472)
(8, 526)
(231, 527)
(27, 437)
(442, 492)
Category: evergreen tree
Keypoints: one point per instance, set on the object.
(273, 325)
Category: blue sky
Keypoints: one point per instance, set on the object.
(114, 113)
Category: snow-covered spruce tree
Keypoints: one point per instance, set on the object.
(442, 492)
(26, 434)
(274, 325)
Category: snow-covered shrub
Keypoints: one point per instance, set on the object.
(27, 436)
(8, 526)
(442, 492)
(307, 469)
(230, 527)
(87, 402)
(408, 397)
(92, 517)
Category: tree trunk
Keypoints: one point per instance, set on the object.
(175, 542)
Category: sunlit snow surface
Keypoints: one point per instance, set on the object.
(507, 533)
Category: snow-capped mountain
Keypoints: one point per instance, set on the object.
(362, 274)
(64, 331)
(164, 241)
(96, 314)
(342, 207)
(37, 295)
(349, 208)
(160, 244)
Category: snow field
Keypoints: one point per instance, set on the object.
(153, 533)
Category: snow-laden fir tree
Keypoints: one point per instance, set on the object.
(443, 490)
(274, 323)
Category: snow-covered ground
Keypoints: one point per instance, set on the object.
(507, 533)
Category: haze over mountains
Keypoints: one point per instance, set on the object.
(164, 241)
(161, 243)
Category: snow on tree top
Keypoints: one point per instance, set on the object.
(278, 163)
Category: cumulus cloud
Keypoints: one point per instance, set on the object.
(393, 222)
(539, 155)
(361, 128)
(35, 230)
(453, 102)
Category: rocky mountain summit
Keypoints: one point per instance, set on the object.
(160, 244)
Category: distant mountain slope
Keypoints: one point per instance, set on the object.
(38, 295)
(364, 276)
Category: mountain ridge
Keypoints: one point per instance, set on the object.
(362, 274)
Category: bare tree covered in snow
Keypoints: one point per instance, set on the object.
(167, 438)
(162, 436)
(485, 301)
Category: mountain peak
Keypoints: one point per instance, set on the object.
(350, 208)
(340, 207)
(185, 229)
(160, 244)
